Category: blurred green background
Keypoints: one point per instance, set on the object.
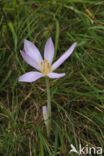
(77, 99)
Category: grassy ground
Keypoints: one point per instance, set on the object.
(77, 99)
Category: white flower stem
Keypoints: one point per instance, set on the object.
(48, 106)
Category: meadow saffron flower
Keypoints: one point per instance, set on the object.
(45, 67)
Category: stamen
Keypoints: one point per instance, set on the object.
(43, 70)
(45, 61)
(41, 63)
(45, 67)
(48, 66)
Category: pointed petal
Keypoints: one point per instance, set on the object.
(30, 77)
(32, 51)
(63, 57)
(49, 50)
(30, 60)
(55, 75)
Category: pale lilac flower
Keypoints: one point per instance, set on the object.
(45, 67)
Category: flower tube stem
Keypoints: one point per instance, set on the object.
(48, 106)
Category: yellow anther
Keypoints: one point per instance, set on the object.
(45, 67)
(43, 70)
(41, 63)
(45, 61)
(48, 66)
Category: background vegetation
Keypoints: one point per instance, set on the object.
(77, 99)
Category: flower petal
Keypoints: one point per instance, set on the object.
(49, 50)
(30, 77)
(30, 60)
(32, 51)
(63, 57)
(55, 75)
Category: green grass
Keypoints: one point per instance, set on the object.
(77, 99)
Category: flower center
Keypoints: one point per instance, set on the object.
(45, 67)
